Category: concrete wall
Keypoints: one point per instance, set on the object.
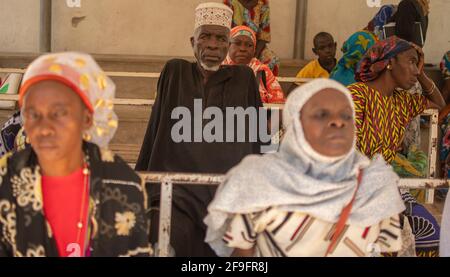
(19, 25)
(147, 27)
(163, 27)
(343, 17)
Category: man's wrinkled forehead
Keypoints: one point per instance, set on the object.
(212, 30)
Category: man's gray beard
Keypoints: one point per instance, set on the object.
(210, 68)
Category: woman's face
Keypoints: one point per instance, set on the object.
(242, 49)
(327, 120)
(405, 69)
(55, 118)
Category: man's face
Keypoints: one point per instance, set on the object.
(210, 44)
(55, 118)
(325, 48)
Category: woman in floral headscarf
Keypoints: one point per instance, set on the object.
(67, 194)
(383, 110)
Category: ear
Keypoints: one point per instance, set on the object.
(88, 119)
(390, 66)
(314, 51)
(392, 62)
(192, 42)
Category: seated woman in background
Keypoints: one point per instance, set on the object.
(384, 108)
(444, 117)
(357, 45)
(255, 14)
(444, 123)
(67, 194)
(318, 196)
(242, 50)
(445, 68)
(445, 235)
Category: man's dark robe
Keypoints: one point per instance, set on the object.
(180, 83)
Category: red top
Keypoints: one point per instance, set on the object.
(62, 198)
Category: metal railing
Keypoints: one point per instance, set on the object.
(432, 151)
(153, 75)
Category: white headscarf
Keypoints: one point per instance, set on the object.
(299, 179)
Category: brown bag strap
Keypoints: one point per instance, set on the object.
(344, 216)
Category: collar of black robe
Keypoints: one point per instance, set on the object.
(31, 225)
(224, 73)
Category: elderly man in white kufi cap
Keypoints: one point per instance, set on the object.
(202, 84)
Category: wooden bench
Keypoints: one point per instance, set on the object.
(128, 152)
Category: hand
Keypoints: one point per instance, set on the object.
(421, 63)
(260, 45)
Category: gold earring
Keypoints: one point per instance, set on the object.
(389, 67)
(86, 137)
(27, 140)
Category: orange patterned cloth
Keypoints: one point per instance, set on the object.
(271, 92)
(381, 121)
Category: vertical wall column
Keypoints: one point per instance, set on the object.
(300, 29)
(45, 34)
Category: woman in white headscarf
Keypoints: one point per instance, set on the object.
(317, 196)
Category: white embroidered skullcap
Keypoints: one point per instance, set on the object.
(213, 14)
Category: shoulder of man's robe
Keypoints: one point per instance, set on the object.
(175, 64)
(242, 71)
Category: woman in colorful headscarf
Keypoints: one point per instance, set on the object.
(384, 108)
(67, 194)
(255, 14)
(292, 202)
(357, 45)
(242, 50)
(354, 49)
